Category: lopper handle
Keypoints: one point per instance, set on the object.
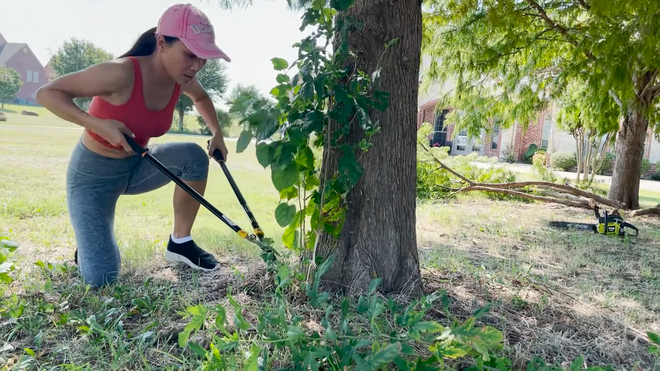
(134, 145)
(217, 155)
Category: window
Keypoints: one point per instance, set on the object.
(35, 76)
(496, 137)
(439, 130)
(545, 136)
(29, 76)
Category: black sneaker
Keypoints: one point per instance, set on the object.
(191, 254)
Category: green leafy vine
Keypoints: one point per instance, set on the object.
(325, 105)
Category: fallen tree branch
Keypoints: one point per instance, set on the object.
(649, 211)
(584, 199)
(560, 187)
(466, 180)
(579, 204)
(566, 196)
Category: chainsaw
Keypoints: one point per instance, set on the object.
(609, 224)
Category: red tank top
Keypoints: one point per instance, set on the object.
(142, 121)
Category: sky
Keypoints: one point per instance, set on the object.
(250, 36)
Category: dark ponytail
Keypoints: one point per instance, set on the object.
(146, 44)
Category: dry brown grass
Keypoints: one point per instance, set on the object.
(556, 295)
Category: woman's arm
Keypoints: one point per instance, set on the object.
(103, 79)
(106, 78)
(204, 105)
(206, 109)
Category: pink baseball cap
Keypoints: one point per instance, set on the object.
(193, 28)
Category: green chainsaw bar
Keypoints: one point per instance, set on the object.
(609, 225)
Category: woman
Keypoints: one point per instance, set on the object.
(135, 95)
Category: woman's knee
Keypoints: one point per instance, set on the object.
(197, 162)
(99, 270)
(98, 279)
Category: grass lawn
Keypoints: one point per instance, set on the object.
(555, 295)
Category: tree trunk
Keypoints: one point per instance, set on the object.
(629, 150)
(378, 239)
(599, 159)
(578, 152)
(588, 158)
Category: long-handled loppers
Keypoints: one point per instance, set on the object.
(268, 253)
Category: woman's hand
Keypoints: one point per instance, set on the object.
(218, 142)
(113, 131)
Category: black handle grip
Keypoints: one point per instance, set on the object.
(134, 145)
(217, 155)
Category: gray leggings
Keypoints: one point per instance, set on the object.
(93, 186)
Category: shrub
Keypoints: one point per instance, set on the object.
(527, 157)
(608, 163)
(435, 183)
(507, 154)
(646, 166)
(539, 157)
(540, 169)
(224, 118)
(563, 160)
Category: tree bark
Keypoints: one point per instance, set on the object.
(378, 239)
(629, 149)
(629, 146)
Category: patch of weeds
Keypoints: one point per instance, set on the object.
(367, 333)
(23, 208)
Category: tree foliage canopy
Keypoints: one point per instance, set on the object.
(509, 58)
(10, 84)
(77, 54)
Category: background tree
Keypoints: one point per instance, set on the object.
(213, 77)
(224, 119)
(10, 84)
(593, 128)
(359, 105)
(76, 55)
(509, 58)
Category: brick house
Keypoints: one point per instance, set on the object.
(20, 57)
(49, 71)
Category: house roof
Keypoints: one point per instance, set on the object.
(9, 50)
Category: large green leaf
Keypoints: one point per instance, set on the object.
(265, 154)
(284, 213)
(284, 177)
(289, 237)
(279, 64)
(349, 166)
(305, 158)
(198, 313)
(243, 141)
